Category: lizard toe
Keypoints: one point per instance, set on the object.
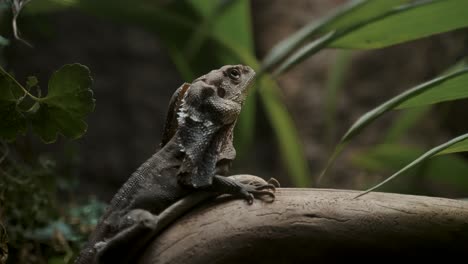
(274, 182)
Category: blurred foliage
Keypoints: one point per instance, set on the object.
(37, 225)
(365, 24)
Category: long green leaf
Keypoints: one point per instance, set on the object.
(454, 88)
(305, 52)
(350, 14)
(448, 147)
(407, 23)
(290, 147)
(461, 146)
(450, 83)
(397, 25)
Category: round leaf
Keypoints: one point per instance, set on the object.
(68, 101)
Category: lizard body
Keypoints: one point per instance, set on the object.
(196, 148)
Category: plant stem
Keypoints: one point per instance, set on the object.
(19, 85)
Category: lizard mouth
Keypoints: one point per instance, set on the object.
(248, 82)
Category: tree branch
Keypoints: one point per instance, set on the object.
(306, 224)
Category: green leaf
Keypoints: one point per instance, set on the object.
(349, 15)
(68, 101)
(384, 157)
(407, 23)
(451, 84)
(405, 121)
(380, 26)
(449, 147)
(448, 170)
(305, 52)
(461, 146)
(12, 121)
(244, 138)
(283, 125)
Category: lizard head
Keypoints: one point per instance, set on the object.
(217, 97)
(231, 82)
(228, 83)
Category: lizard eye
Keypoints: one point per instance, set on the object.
(221, 92)
(234, 74)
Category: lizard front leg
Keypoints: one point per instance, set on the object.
(135, 230)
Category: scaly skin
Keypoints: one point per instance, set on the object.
(197, 144)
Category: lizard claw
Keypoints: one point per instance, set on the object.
(274, 182)
(250, 187)
(247, 196)
(259, 190)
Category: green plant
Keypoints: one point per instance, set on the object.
(32, 221)
(28, 180)
(376, 24)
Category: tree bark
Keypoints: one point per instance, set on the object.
(305, 225)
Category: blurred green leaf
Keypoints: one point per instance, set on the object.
(448, 170)
(245, 128)
(450, 87)
(12, 121)
(453, 85)
(375, 25)
(405, 121)
(305, 52)
(405, 23)
(461, 146)
(335, 83)
(290, 146)
(384, 157)
(353, 13)
(449, 147)
(68, 101)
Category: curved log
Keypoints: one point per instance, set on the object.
(313, 224)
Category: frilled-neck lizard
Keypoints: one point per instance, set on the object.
(195, 152)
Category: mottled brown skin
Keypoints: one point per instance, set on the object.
(197, 144)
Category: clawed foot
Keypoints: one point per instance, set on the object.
(247, 186)
(257, 189)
